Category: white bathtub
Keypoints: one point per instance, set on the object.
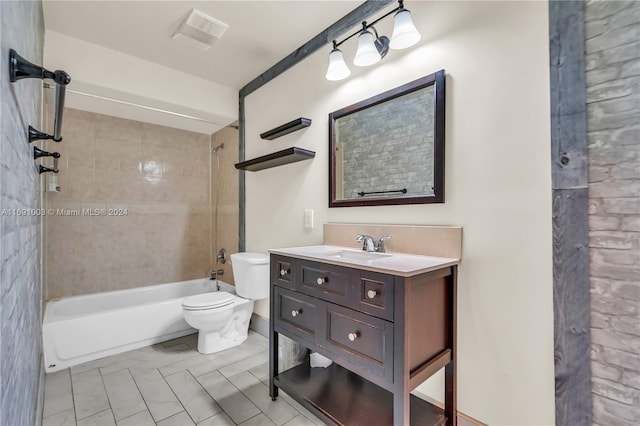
(83, 328)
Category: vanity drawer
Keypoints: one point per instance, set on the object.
(282, 269)
(327, 282)
(297, 313)
(375, 294)
(361, 339)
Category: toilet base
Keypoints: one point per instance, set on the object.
(211, 342)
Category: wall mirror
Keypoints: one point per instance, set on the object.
(389, 149)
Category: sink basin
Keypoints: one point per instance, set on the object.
(361, 255)
(321, 251)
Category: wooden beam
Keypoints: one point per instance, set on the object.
(570, 213)
(334, 31)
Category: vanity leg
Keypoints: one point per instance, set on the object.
(450, 381)
(401, 401)
(273, 350)
(273, 364)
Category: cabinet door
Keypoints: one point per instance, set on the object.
(363, 340)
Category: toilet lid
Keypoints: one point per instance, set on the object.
(208, 300)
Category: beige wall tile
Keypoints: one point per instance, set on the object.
(161, 176)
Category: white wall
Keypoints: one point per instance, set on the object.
(107, 73)
(498, 186)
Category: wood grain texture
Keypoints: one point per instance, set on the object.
(571, 307)
(568, 95)
(570, 209)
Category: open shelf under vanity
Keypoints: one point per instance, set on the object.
(337, 395)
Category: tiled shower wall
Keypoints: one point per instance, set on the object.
(135, 206)
(20, 287)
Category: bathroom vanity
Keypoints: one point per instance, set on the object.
(387, 321)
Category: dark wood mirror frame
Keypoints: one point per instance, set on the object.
(437, 80)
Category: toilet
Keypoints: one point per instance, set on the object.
(222, 318)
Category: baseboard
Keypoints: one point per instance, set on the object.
(40, 401)
(260, 325)
(463, 419)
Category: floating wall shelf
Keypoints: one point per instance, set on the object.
(286, 156)
(292, 126)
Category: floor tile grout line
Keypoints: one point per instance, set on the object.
(225, 378)
(99, 412)
(177, 398)
(106, 394)
(250, 400)
(261, 412)
(140, 393)
(205, 391)
(71, 394)
(217, 369)
(73, 397)
(142, 396)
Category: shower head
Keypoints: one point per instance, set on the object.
(214, 151)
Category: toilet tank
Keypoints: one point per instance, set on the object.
(251, 275)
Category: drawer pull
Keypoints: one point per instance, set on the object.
(296, 312)
(371, 294)
(283, 272)
(353, 336)
(321, 280)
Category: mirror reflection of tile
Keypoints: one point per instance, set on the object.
(386, 148)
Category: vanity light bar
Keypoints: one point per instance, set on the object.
(371, 46)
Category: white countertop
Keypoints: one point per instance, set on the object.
(401, 264)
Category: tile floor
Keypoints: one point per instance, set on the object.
(171, 384)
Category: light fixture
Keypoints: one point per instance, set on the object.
(405, 33)
(338, 69)
(370, 50)
(372, 47)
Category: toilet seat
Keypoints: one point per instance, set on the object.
(206, 301)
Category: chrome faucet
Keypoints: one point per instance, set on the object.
(380, 244)
(367, 242)
(369, 245)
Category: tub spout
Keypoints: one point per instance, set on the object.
(214, 274)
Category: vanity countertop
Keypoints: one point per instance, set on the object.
(400, 264)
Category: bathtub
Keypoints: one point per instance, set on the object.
(83, 328)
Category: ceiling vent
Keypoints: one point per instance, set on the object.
(200, 30)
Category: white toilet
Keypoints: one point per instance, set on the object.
(222, 318)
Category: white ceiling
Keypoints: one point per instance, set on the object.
(260, 32)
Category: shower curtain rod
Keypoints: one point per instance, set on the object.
(164, 111)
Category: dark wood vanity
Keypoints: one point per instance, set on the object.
(385, 333)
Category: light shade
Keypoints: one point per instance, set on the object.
(367, 53)
(338, 69)
(405, 33)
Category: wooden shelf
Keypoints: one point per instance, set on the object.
(286, 156)
(339, 396)
(285, 129)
